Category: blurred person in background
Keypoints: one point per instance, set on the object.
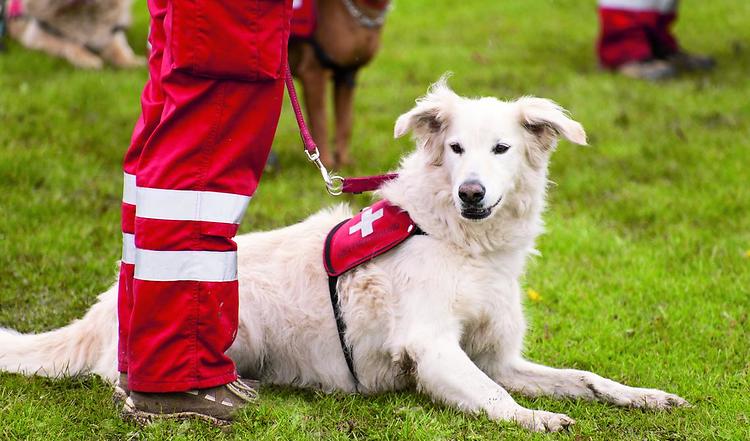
(636, 40)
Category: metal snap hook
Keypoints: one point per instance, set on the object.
(336, 185)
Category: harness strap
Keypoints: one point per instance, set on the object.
(334, 294)
(341, 74)
(340, 324)
(341, 328)
(48, 28)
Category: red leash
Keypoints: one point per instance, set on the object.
(334, 184)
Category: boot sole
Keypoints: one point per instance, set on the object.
(119, 396)
(143, 418)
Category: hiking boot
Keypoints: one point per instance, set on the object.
(217, 405)
(688, 62)
(652, 70)
(121, 391)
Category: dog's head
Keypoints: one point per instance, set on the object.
(485, 145)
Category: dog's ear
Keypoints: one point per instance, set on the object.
(547, 120)
(432, 113)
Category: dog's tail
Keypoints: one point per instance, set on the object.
(88, 345)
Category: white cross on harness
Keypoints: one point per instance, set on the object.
(365, 225)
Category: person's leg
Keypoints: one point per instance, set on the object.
(195, 177)
(633, 30)
(152, 103)
(622, 37)
(666, 46)
(625, 40)
(663, 39)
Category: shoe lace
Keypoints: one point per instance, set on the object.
(242, 390)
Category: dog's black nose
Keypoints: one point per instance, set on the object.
(471, 192)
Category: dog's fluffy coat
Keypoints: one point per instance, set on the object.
(441, 312)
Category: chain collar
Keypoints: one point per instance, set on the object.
(364, 19)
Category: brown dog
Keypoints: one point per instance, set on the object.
(346, 38)
(85, 32)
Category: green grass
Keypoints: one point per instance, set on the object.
(644, 276)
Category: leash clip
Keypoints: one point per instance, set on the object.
(336, 187)
(334, 183)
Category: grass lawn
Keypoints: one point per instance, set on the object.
(645, 272)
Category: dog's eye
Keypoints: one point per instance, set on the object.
(500, 148)
(456, 147)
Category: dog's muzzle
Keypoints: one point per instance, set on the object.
(471, 193)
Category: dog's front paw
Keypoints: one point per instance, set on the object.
(84, 59)
(653, 399)
(642, 398)
(133, 62)
(542, 421)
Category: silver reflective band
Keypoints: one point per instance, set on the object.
(189, 205)
(128, 189)
(201, 266)
(128, 248)
(640, 5)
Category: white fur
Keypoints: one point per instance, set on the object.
(442, 312)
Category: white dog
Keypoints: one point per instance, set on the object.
(441, 312)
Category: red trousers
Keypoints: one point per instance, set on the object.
(635, 30)
(209, 114)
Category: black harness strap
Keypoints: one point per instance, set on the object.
(333, 291)
(341, 327)
(341, 74)
(48, 28)
(340, 324)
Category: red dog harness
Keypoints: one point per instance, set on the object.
(372, 232)
(304, 18)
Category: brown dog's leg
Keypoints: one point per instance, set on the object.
(344, 110)
(119, 53)
(31, 35)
